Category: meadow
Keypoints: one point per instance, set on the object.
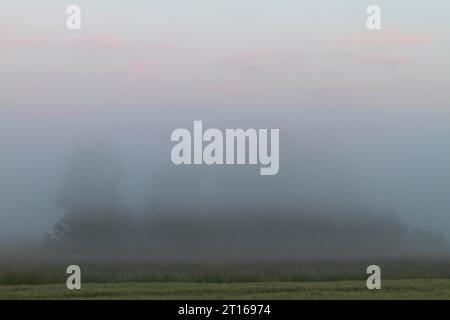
(134, 278)
(392, 289)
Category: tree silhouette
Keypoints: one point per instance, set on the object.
(90, 199)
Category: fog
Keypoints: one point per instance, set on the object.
(86, 119)
(342, 194)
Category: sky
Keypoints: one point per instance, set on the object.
(363, 115)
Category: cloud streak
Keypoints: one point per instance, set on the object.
(388, 39)
(141, 69)
(25, 42)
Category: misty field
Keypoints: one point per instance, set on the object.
(41, 278)
(392, 289)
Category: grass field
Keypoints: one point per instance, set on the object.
(45, 278)
(392, 289)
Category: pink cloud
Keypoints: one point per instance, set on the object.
(25, 42)
(141, 69)
(380, 38)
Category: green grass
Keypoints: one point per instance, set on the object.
(391, 289)
(133, 278)
(52, 271)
